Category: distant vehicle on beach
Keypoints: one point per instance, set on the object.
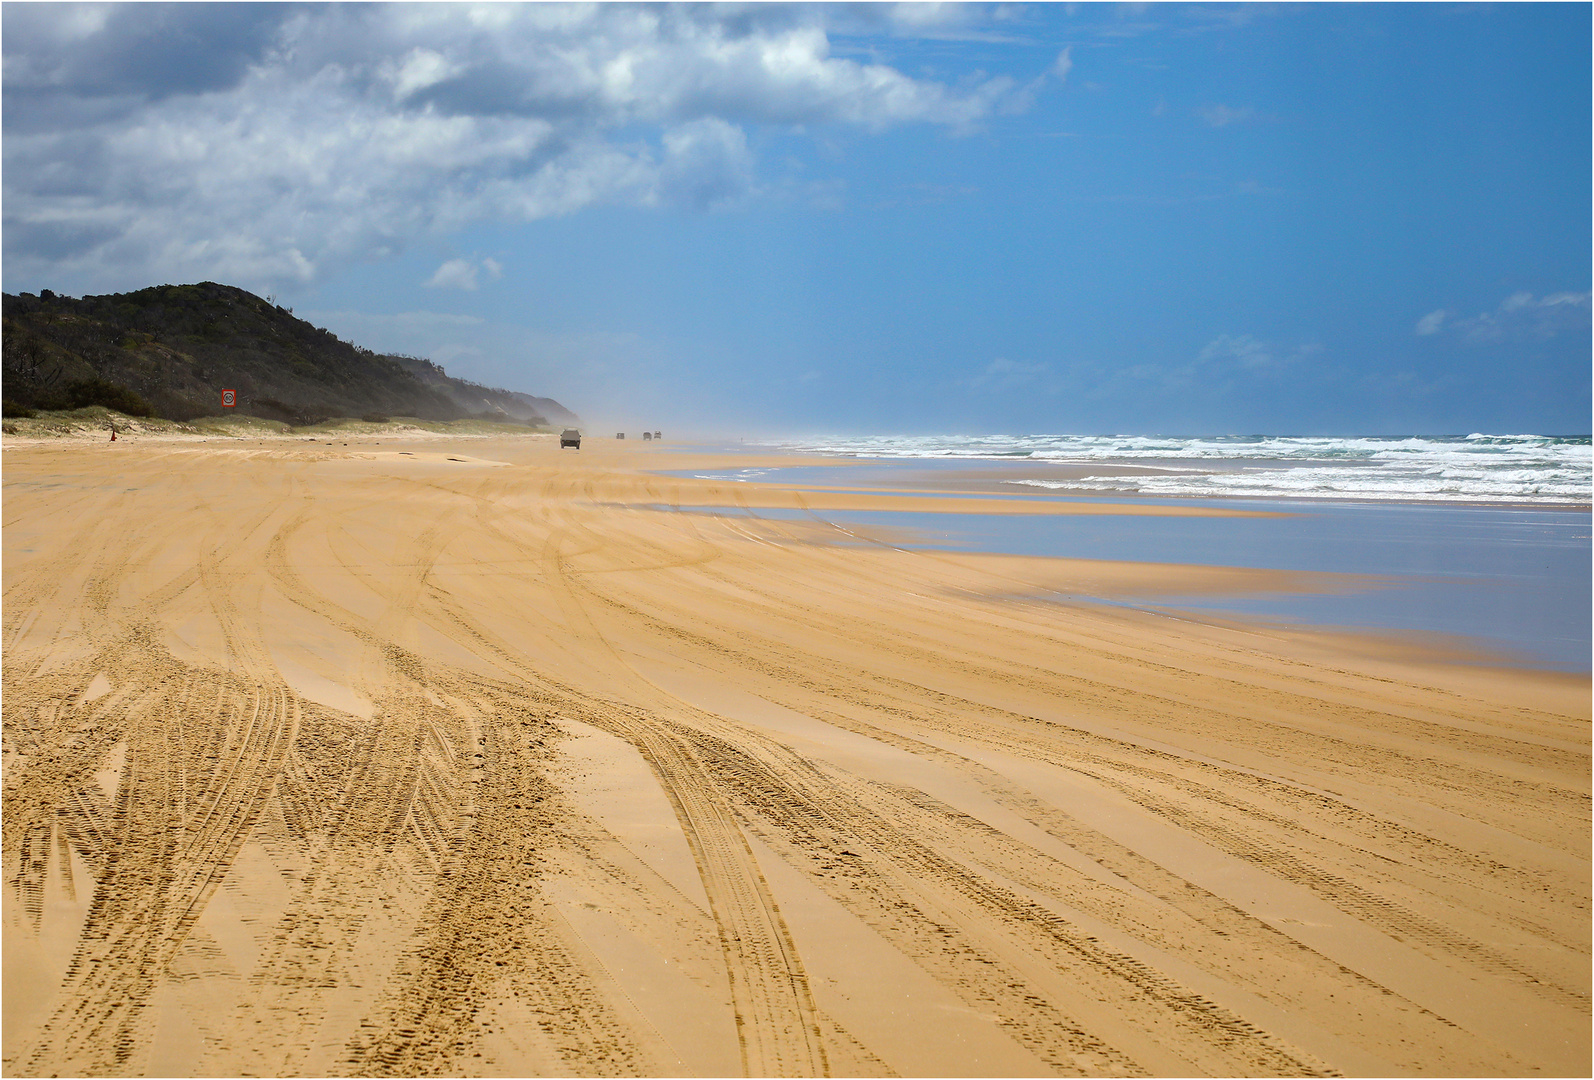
(619, 435)
(647, 436)
(570, 437)
(658, 435)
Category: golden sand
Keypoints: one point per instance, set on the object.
(462, 758)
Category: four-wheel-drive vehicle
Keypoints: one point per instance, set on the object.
(570, 437)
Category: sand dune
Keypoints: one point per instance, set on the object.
(326, 760)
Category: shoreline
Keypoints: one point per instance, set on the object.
(903, 504)
(1445, 551)
(447, 758)
(991, 476)
(999, 477)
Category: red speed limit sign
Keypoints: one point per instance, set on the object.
(229, 398)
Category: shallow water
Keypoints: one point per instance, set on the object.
(1515, 581)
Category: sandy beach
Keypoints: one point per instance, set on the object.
(473, 757)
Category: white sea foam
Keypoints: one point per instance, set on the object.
(1477, 468)
(741, 476)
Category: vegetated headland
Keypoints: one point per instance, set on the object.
(168, 352)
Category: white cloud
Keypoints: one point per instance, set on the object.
(454, 274)
(1518, 317)
(282, 140)
(464, 274)
(1565, 299)
(420, 69)
(706, 164)
(1064, 64)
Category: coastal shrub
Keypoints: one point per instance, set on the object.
(182, 408)
(82, 393)
(11, 410)
(295, 415)
(374, 418)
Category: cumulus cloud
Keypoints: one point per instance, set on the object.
(1519, 317)
(69, 55)
(1064, 64)
(454, 274)
(464, 274)
(265, 143)
(1431, 323)
(421, 69)
(706, 164)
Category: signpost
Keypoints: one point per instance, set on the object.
(229, 399)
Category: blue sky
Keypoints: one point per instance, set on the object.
(771, 219)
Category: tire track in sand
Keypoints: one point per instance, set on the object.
(1033, 1020)
(183, 809)
(489, 943)
(777, 1023)
(1138, 772)
(989, 974)
(1373, 908)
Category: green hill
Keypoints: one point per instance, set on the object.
(171, 350)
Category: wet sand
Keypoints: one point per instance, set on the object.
(459, 757)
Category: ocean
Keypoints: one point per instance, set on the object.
(1484, 539)
(1533, 469)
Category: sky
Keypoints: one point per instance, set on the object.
(769, 219)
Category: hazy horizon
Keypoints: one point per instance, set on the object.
(804, 219)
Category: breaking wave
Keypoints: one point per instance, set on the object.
(1474, 468)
